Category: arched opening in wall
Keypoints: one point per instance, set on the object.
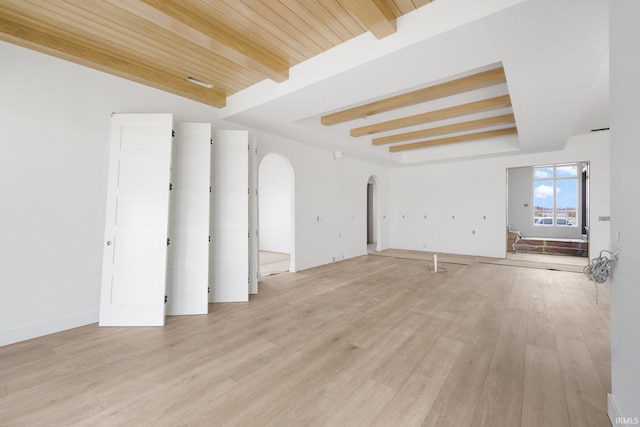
(276, 215)
(372, 215)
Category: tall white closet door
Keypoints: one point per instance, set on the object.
(253, 218)
(188, 252)
(229, 250)
(135, 242)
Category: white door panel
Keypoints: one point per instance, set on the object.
(253, 218)
(229, 269)
(134, 286)
(131, 210)
(231, 289)
(141, 173)
(228, 241)
(139, 245)
(134, 260)
(187, 244)
(188, 254)
(228, 210)
(140, 136)
(227, 184)
(185, 282)
(190, 207)
(190, 174)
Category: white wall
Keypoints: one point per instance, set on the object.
(55, 118)
(275, 182)
(330, 201)
(625, 208)
(457, 197)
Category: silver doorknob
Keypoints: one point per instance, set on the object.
(109, 243)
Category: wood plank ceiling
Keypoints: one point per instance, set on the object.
(228, 44)
(207, 50)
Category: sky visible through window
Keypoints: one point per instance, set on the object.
(555, 193)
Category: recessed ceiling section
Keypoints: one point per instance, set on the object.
(463, 109)
(551, 54)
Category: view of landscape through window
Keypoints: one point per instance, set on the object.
(555, 195)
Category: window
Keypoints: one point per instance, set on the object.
(555, 195)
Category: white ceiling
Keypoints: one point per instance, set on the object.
(555, 56)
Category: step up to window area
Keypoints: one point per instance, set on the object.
(572, 247)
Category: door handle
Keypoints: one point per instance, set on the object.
(108, 242)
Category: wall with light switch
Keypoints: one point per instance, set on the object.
(461, 207)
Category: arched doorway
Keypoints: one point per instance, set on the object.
(372, 215)
(276, 241)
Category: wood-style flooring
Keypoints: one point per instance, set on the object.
(374, 340)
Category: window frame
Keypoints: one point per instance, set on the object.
(555, 179)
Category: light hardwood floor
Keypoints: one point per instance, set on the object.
(368, 341)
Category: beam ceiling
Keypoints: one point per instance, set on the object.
(376, 15)
(229, 44)
(454, 139)
(435, 115)
(475, 81)
(486, 112)
(443, 130)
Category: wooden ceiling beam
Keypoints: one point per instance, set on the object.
(103, 25)
(375, 15)
(454, 139)
(443, 130)
(220, 38)
(37, 36)
(503, 101)
(480, 80)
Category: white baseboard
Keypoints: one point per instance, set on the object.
(617, 418)
(23, 333)
(612, 410)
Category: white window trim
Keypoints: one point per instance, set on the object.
(555, 179)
